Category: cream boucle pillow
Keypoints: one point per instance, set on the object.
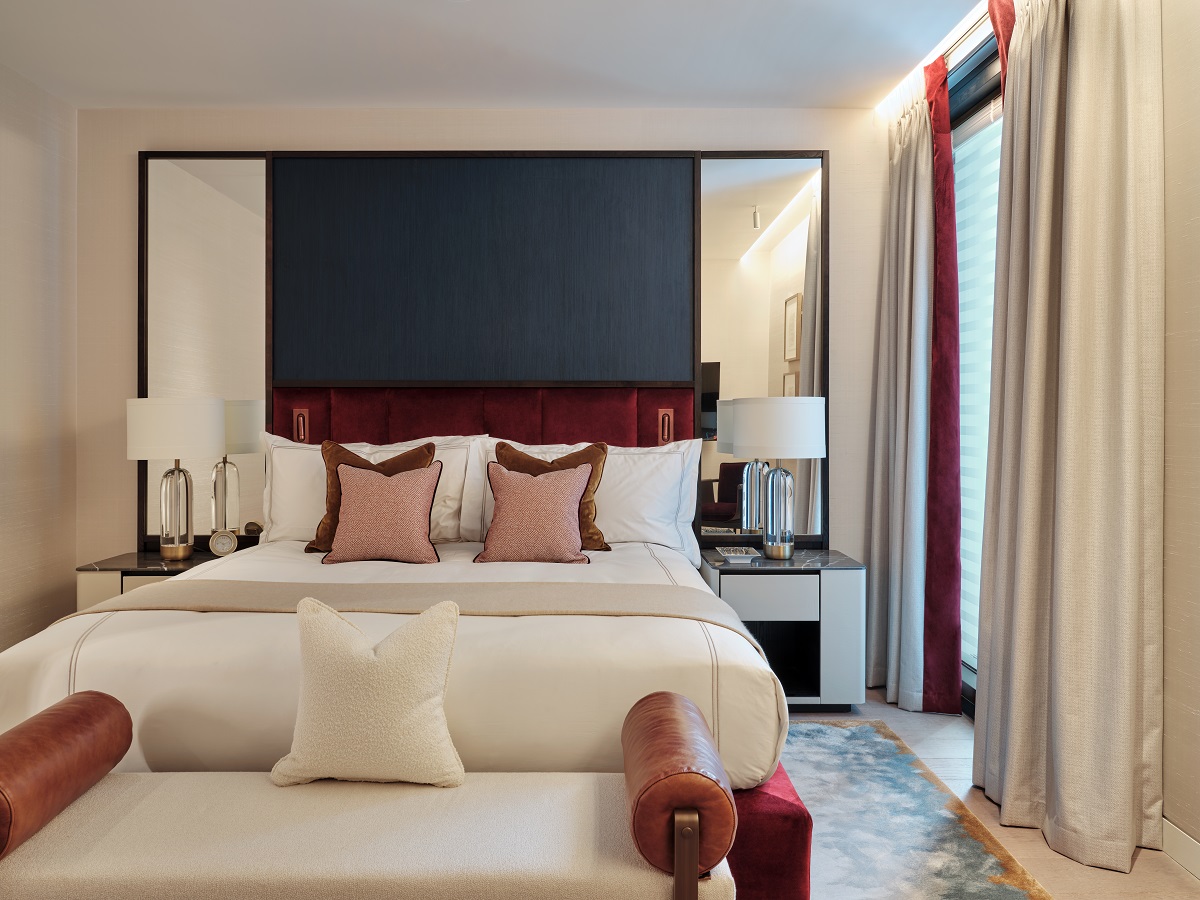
(373, 713)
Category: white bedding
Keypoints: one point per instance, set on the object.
(218, 691)
(287, 561)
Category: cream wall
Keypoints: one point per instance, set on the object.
(1181, 750)
(735, 331)
(108, 145)
(37, 358)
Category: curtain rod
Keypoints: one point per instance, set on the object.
(966, 34)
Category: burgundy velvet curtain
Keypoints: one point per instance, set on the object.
(942, 687)
(1004, 17)
(914, 629)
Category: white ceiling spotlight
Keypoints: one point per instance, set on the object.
(757, 220)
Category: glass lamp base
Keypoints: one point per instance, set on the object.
(175, 514)
(779, 515)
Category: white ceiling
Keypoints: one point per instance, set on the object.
(729, 191)
(472, 53)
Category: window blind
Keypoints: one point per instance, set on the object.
(976, 190)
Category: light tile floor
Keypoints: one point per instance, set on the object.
(945, 744)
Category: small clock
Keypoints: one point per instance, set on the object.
(222, 543)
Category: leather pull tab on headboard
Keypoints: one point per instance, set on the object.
(300, 426)
(666, 426)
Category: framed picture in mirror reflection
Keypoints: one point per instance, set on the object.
(792, 313)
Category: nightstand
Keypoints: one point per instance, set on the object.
(108, 578)
(809, 613)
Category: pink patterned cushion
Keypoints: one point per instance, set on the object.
(536, 517)
(385, 517)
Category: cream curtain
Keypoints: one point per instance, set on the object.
(896, 550)
(1069, 705)
(808, 471)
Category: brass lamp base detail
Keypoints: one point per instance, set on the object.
(779, 551)
(175, 551)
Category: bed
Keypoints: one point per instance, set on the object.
(539, 692)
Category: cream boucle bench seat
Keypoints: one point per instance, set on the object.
(171, 836)
(68, 829)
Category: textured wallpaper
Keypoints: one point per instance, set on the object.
(37, 358)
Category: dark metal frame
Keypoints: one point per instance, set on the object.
(149, 543)
(821, 541)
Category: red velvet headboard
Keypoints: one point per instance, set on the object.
(626, 417)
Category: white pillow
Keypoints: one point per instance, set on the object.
(373, 712)
(294, 496)
(646, 493)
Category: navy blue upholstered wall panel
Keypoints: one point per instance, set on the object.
(482, 269)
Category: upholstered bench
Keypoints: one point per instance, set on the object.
(499, 835)
(234, 834)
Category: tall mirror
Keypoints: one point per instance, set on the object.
(763, 302)
(203, 309)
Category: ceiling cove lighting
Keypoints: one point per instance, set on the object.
(961, 42)
(783, 213)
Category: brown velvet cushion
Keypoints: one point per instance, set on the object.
(595, 455)
(53, 758)
(671, 762)
(336, 455)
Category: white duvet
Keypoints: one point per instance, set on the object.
(218, 691)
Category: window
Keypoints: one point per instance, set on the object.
(976, 188)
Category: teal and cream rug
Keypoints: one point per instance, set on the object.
(885, 827)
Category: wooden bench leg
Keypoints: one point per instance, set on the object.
(687, 854)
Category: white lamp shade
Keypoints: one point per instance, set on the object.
(170, 428)
(244, 423)
(779, 428)
(725, 426)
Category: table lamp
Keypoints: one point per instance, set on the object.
(244, 423)
(173, 428)
(725, 426)
(778, 428)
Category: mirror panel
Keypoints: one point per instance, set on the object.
(205, 307)
(762, 300)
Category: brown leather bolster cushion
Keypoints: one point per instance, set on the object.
(51, 759)
(671, 762)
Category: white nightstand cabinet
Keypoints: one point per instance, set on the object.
(809, 614)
